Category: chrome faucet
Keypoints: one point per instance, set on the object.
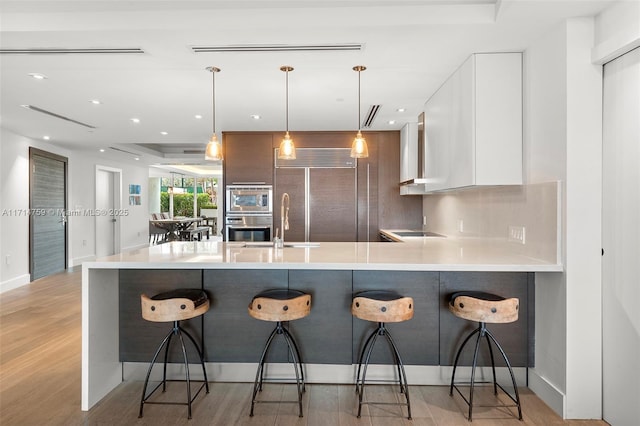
(284, 215)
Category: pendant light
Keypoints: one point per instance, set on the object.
(287, 149)
(214, 150)
(359, 147)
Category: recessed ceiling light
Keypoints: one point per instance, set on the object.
(400, 110)
(137, 158)
(95, 101)
(198, 116)
(392, 121)
(135, 120)
(255, 117)
(101, 149)
(46, 138)
(164, 133)
(37, 76)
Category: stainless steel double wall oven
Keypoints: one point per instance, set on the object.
(249, 212)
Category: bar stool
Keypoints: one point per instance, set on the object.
(277, 306)
(484, 308)
(381, 307)
(174, 306)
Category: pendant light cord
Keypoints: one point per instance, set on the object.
(359, 99)
(287, 100)
(213, 99)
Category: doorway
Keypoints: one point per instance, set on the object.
(108, 207)
(621, 240)
(48, 219)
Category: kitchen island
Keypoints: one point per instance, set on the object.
(116, 341)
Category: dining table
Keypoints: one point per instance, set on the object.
(175, 226)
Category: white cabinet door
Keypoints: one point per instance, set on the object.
(437, 128)
(473, 125)
(408, 152)
(462, 152)
(498, 119)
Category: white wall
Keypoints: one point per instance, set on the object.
(545, 154)
(14, 191)
(562, 142)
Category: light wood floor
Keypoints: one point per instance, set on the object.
(40, 344)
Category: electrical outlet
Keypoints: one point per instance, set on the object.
(517, 234)
(7, 259)
(84, 243)
(460, 225)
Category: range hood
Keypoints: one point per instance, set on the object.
(412, 179)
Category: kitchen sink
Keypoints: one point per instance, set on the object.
(418, 234)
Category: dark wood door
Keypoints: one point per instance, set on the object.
(248, 158)
(332, 205)
(47, 219)
(291, 181)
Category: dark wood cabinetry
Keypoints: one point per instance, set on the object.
(248, 157)
(340, 215)
(230, 334)
(329, 335)
(415, 338)
(139, 338)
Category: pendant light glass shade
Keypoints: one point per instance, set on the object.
(213, 152)
(359, 147)
(287, 149)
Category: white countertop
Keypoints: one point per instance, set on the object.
(414, 254)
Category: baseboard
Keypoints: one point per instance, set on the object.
(16, 282)
(546, 391)
(319, 373)
(78, 260)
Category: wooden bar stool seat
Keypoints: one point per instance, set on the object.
(484, 308)
(174, 306)
(280, 305)
(382, 307)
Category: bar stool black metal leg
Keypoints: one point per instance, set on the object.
(295, 346)
(186, 368)
(291, 347)
(493, 362)
(201, 354)
(455, 363)
(513, 379)
(364, 370)
(257, 385)
(146, 380)
(360, 359)
(473, 373)
(402, 377)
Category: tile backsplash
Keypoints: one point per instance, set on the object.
(500, 212)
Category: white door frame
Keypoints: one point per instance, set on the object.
(117, 190)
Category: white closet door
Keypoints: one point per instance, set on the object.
(621, 240)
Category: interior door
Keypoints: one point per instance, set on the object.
(621, 240)
(48, 220)
(105, 204)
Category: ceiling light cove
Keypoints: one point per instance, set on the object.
(278, 47)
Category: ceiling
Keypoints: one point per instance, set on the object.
(408, 46)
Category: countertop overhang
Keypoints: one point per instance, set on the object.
(419, 254)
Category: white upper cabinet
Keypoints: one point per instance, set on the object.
(411, 158)
(473, 125)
